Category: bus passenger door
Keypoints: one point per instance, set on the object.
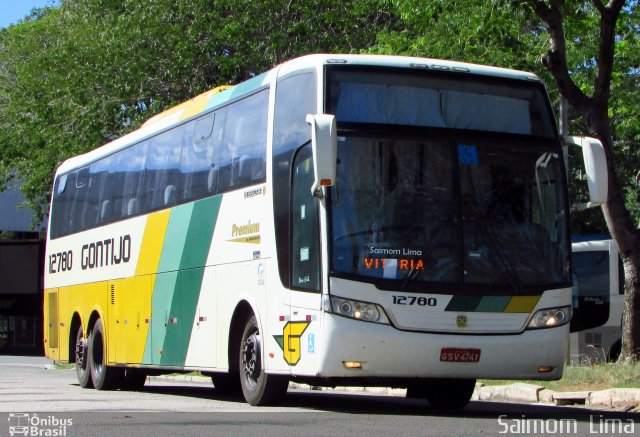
(302, 333)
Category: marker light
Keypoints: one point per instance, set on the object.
(352, 364)
(355, 309)
(550, 318)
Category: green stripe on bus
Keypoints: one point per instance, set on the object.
(463, 303)
(166, 281)
(493, 304)
(246, 87)
(194, 257)
(174, 241)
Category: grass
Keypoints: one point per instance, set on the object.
(589, 378)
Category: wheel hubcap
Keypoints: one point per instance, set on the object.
(251, 358)
(81, 349)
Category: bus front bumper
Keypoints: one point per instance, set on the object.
(355, 349)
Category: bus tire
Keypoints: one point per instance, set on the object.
(258, 387)
(446, 394)
(104, 377)
(83, 369)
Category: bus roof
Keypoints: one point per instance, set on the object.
(221, 95)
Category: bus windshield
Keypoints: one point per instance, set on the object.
(428, 211)
(453, 101)
(448, 210)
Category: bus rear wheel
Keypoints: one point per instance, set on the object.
(446, 394)
(258, 387)
(104, 377)
(83, 369)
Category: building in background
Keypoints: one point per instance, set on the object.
(21, 273)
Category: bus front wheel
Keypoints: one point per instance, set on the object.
(443, 393)
(104, 377)
(258, 387)
(83, 369)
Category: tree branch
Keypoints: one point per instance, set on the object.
(608, 18)
(555, 60)
(600, 6)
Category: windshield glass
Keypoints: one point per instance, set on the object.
(409, 214)
(431, 99)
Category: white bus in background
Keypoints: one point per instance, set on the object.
(598, 302)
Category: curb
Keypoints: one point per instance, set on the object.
(529, 393)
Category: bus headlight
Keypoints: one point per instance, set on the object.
(355, 309)
(550, 318)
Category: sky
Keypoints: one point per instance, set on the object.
(11, 11)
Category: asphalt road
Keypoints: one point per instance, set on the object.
(49, 402)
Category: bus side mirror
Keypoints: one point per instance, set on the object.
(595, 163)
(324, 143)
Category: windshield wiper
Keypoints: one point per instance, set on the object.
(413, 274)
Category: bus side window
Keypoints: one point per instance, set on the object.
(132, 162)
(162, 170)
(305, 250)
(80, 194)
(244, 145)
(200, 155)
(61, 210)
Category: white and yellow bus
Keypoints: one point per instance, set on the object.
(415, 237)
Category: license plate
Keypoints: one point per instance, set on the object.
(457, 355)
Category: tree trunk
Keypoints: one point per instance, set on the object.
(627, 237)
(595, 109)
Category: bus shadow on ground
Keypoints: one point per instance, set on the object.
(360, 403)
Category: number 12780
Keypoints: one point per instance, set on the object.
(415, 300)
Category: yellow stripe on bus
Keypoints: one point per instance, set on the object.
(152, 242)
(130, 301)
(522, 304)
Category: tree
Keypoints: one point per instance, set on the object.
(74, 76)
(594, 109)
(579, 39)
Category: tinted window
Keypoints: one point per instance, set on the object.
(305, 263)
(200, 160)
(180, 165)
(295, 98)
(244, 144)
(433, 100)
(590, 290)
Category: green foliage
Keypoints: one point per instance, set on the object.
(507, 33)
(75, 75)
